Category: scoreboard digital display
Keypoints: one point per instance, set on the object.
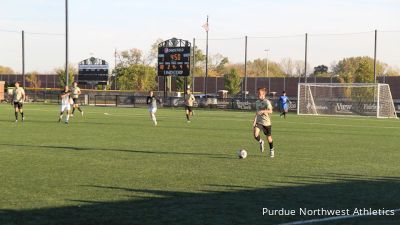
(173, 61)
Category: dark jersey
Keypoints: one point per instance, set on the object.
(152, 101)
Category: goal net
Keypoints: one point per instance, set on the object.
(345, 99)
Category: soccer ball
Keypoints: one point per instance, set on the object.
(242, 154)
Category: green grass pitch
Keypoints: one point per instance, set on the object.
(120, 169)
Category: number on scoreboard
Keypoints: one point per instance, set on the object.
(174, 58)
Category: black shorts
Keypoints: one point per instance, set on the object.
(284, 109)
(266, 129)
(75, 100)
(18, 105)
(189, 108)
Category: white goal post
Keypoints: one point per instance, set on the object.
(355, 99)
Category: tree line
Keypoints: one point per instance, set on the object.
(136, 70)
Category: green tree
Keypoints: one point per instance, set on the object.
(258, 68)
(216, 65)
(199, 63)
(321, 71)
(134, 72)
(232, 82)
(137, 77)
(358, 69)
(364, 72)
(131, 57)
(61, 75)
(180, 83)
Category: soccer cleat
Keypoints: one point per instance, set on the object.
(261, 146)
(16, 121)
(72, 115)
(66, 122)
(189, 121)
(59, 120)
(272, 153)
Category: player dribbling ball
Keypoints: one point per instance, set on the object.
(262, 121)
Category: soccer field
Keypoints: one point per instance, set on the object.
(114, 167)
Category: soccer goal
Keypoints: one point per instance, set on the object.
(356, 99)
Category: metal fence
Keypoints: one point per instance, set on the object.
(205, 103)
(175, 102)
(139, 101)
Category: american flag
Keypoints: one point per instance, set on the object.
(206, 27)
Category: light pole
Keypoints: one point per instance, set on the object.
(115, 69)
(66, 43)
(269, 79)
(23, 59)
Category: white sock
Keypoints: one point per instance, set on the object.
(153, 117)
(66, 120)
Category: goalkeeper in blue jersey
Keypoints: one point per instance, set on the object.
(284, 104)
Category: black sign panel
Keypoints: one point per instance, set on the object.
(173, 61)
(93, 71)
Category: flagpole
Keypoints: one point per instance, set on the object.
(205, 82)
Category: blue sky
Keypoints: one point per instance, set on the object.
(98, 27)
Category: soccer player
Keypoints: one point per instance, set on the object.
(76, 91)
(18, 101)
(152, 102)
(65, 104)
(262, 120)
(189, 100)
(284, 104)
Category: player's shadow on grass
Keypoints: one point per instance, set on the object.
(155, 152)
(223, 204)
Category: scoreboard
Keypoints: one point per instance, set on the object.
(93, 71)
(173, 61)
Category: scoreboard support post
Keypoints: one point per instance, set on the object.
(165, 88)
(174, 60)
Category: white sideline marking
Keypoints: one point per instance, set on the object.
(327, 219)
(339, 125)
(240, 119)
